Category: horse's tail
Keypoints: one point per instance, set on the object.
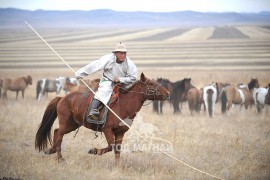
(43, 134)
(210, 93)
(38, 88)
(198, 104)
(223, 102)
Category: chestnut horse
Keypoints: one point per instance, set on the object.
(71, 110)
(179, 93)
(17, 85)
(236, 95)
(195, 99)
(93, 84)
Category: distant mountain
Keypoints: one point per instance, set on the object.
(10, 17)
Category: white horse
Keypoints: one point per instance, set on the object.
(210, 97)
(48, 85)
(63, 80)
(261, 98)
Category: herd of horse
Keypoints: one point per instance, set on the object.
(180, 91)
(46, 85)
(229, 95)
(71, 108)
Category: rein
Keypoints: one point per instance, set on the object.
(148, 92)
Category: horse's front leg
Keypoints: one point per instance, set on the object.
(23, 94)
(5, 94)
(17, 93)
(110, 140)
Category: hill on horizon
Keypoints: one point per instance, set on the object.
(15, 18)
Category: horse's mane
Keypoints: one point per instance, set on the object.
(128, 87)
(252, 83)
(25, 80)
(179, 84)
(163, 80)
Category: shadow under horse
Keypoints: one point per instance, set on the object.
(71, 110)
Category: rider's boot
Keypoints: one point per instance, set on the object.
(94, 109)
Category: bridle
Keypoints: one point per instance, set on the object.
(148, 92)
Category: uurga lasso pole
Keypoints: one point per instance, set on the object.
(156, 147)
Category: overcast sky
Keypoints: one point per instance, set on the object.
(142, 5)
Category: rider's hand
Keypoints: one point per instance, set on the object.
(79, 78)
(117, 81)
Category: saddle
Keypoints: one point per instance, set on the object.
(104, 110)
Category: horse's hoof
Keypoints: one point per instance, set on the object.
(93, 151)
(49, 151)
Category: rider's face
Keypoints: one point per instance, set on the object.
(121, 56)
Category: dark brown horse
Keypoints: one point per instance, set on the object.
(158, 105)
(179, 93)
(17, 85)
(70, 111)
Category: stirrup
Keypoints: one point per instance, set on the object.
(94, 114)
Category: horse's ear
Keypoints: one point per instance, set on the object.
(143, 79)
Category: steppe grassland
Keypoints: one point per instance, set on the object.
(233, 147)
(230, 147)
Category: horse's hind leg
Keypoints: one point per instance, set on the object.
(17, 93)
(53, 148)
(65, 126)
(5, 94)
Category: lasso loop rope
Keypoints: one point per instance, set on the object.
(116, 114)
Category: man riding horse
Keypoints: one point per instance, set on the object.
(117, 68)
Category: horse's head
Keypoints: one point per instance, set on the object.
(152, 90)
(254, 83)
(187, 83)
(165, 83)
(29, 80)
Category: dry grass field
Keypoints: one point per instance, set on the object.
(230, 147)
